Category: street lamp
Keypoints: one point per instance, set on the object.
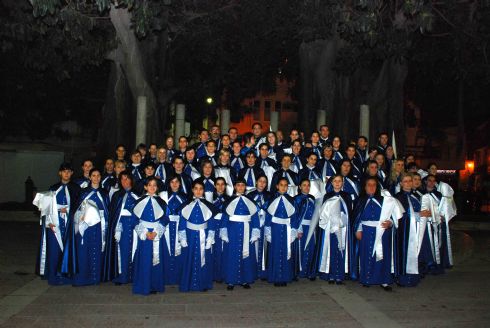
(209, 100)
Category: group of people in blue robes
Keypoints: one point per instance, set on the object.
(234, 211)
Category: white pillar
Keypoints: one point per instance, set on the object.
(179, 122)
(321, 118)
(274, 121)
(364, 121)
(225, 121)
(141, 118)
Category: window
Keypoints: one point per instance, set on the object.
(267, 111)
(256, 110)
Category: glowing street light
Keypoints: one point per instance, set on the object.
(209, 100)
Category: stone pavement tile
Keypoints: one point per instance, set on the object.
(179, 320)
(211, 308)
(314, 319)
(17, 321)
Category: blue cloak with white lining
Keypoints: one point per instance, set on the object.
(197, 228)
(280, 233)
(148, 260)
(240, 230)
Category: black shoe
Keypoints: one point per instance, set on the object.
(387, 288)
(153, 292)
(331, 282)
(277, 284)
(284, 284)
(312, 279)
(339, 282)
(246, 286)
(205, 290)
(295, 279)
(367, 286)
(117, 284)
(230, 287)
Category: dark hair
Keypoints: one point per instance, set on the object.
(430, 164)
(183, 137)
(94, 170)
(127, 174)
(282, 179)
(170, 179)
(210, 141)
(383, 134)
(247, 137)
(264, 144)
(363, 137)
(150, 179)
(120, 145)
(141, 146)
(219, 179)
(369, 178)
(65, 166)
(205, 162)
(87, 160)
(177, 158)
(303, 180)
(256, 123)
(197, 182)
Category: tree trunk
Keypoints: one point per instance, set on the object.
(132, 64)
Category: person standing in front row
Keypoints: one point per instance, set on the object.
(375, 217)
(240, 229)
(148, 262)
(279, 232)
(197, 228)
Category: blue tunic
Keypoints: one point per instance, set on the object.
(90, 252)
(120, 237)
(217, 248)
(372, 272)
(172, 255)
(304, 255)
(241, 223)
(281, 215)
(196, 235)
(403, 234)
(262, 200)
(66, 197)
(148, 260)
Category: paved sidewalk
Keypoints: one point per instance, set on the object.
(457, 299)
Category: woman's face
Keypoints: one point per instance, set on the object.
(305, 187)
(345, 168)
(190, 155)
(433, 169)
(220, 186)
(271, 139)
(416, 181)
(224, 158)
(380, 159)
(337, 183)
(125, 182)
(207, 169)
(198, 191)
(370, 187)
(336, 142)
(151, 188)
(175, 185)
(327, 153)
(95, 178)
(240, 188)
(261, 184)
(407, 184)
(282, 186)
